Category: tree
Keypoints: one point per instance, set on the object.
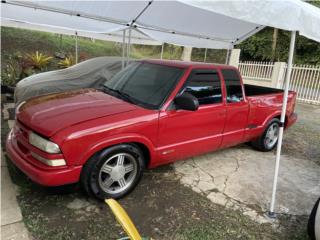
(272, 44)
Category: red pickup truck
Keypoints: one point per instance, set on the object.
(151, 113)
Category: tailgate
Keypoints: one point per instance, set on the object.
(264, 107)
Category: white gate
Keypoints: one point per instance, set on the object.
(305, 79)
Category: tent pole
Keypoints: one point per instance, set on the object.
(205, 55)
(129, 45)
(282, 121)
(161, 55)
(123, 48)
(76, 47)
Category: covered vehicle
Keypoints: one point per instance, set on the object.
(88, 74)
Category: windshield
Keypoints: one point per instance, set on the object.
(145, 84)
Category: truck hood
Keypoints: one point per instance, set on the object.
(51, 113)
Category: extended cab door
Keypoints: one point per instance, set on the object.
(237, 108)
(185, 133)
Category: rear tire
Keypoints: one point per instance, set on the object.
(268, 140)
(114, 172)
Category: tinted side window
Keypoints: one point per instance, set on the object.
(205, 86)
(233, 85)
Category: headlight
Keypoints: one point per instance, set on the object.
(43, 144)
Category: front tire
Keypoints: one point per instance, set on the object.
(113, 172)
(268, 140)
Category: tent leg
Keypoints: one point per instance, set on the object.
(205, 55)
(282, 121)
(123, 48)
(76, 47)
(162, 47)
(129, 45)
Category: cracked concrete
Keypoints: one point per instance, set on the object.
(241, 178)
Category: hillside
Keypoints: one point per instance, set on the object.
(17, 43)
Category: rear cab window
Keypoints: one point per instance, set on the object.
(233, 85)
(205, 85)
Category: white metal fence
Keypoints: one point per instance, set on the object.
(305, 79)
(261, 71)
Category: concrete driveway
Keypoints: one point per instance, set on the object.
(241, 177)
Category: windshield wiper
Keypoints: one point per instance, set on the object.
(122, 95)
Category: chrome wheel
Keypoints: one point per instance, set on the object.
(272, 135)
(118, 173)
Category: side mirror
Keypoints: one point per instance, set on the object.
(186, 101)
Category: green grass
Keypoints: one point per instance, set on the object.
(26, 41)
(20, 42)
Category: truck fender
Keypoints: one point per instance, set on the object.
(269, 118)
(118, 139)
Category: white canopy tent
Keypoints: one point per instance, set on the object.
(222, 23)
(166, 21)
(195, 23)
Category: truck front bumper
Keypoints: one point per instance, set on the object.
(53, 177)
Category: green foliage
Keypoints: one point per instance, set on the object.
(10, 74)
(16, 44)
(213, 55)
(315, 3)
(307, 51)
(259, 48)
(170, 51)
(15, 68)
(67, 62)
(39, 60)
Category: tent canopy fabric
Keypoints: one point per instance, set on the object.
(195, 23)
(291, 15)
(172, 20)
(57, 19)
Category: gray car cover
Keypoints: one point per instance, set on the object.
(88, 74)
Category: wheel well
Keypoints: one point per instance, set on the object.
(145, 151)
(285, 120)
(141, 146)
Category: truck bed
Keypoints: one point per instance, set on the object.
(253, 90)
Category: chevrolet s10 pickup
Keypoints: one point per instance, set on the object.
(151, 113)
